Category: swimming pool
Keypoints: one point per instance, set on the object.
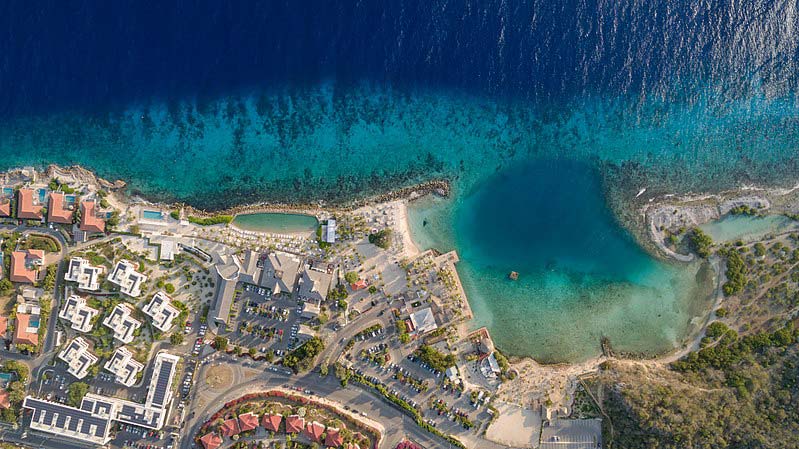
(34, 323)
(152, 215)
(8, 191)
(42, 195)
(70, 199)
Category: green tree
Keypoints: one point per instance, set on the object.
(5, 286)
(76, 392)
(220, 343)
(351, 277)
(176, 338)
(701, 243)
(169, 288)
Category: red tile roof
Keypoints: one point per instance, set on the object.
(360, 285)
(408, 445)
(211, 440)
(294, 424)
(26, 208)
(56, 212)
(314, 431)
(89, 221)
(230, 427)
(248, 421)
(271, 422)
(353, 446)
(3, 326)
(5, 209)
(5, 400)
(333, 438)
(21, 334)
(20, 272)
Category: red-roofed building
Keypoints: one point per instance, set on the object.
(5, 208)
(3, 326)
(24, 333)
(353, 446)
(248, 421)
(28, 206)
(408, 445)
(57, 210)
(294, 424)
(89, 220)
(333, 438)
(360, 285)
(5, 400)
(314, 431)
(211, 441)
(272, 422)
(25, 264)
(230, 427)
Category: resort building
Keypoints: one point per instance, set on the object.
(29, 205)
(124, 367)
(305, 333)
(78, 313)
(250, 272)
(86, 275)
(167, 250)
(333, 438)
(423, 321)
(271, 422)
(161, 311)
(26, 331)
(3, 327)
(227, 276)
(230, 427)
(58, 209)
(5, 399)
(122, 323)
(211, 441)
(25, 265)
(314, 431)
(92, 421)
(490, 367)
(295, 424)
(280, 272)
(91, 221)
(125, 276)
(329, 231)
(248, 421)
(78, 357)
(310, 310)
(5, 207)
(314, 285)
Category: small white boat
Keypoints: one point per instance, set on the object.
(641, 192)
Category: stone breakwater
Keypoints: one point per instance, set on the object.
(321, 210)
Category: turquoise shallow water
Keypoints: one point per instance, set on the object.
(276, 222)
(329, 143)
(748, 228)
(582, 276)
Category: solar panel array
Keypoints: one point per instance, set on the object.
(80, 421)
(162, 385)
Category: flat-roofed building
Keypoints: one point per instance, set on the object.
(314, 285)
(161, 311)
(70, 422)
(124, 367)
(58, 209)
(160, 392)
(125, 276)
(227, 276)
(25, 265)
(329, 231)
(78, 313)
(279, 273)
(310, 310)
(87, 276)
(29, 207)
(78, 357)
(122, 323)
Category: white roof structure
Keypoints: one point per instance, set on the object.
(127, 278)
(86, 275)
(329, 231)
(490, 367)
(124, 367)
(123, 325)
(91, 422)
(314, 284)
(452, 373)
(78, 313)
(310, 310)
(423, 321)
(78, 357)
(161, 311)
(305, 333)
(167, 251)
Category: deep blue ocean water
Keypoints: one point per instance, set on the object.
(220, 103)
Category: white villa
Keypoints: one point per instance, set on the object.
(122, 323)
(161, 311)
(86, 275)
(124, 367)
(127, 278)
(78, 357)
(78, 313)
